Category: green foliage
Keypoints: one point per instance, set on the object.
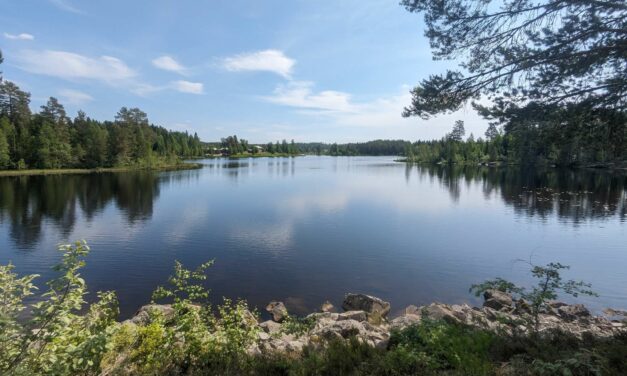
(51, 140)
(56, 339)
(445, 346)
(553, 71)
(297, 325)
(182, 289)
(549, 284)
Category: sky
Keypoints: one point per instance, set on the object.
(308, 70)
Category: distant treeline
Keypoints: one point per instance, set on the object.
(50, 139)
(376, 147)
(551, 141)
(234, 146)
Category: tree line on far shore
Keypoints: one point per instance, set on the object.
(50, 139)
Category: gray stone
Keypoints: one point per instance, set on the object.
(437, 311)
(270, 326)
(412, 310)
(404, 321)
(148, 312)
(250, 319)
(340, 329)
(573, 312)
(369, 304)
(323, 315)
(499, 300)
(278, 311)
(353, 315)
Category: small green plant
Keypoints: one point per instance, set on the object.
(549, 284)
(297, 325)
(56, 339)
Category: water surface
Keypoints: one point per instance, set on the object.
(308, 229)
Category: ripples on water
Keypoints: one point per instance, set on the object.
(312, 228)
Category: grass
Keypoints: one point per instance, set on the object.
(438, 348)
(66, 171)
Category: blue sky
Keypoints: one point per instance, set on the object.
(315, 70)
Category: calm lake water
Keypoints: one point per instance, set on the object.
(308, 229)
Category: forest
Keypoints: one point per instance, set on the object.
(50, 139)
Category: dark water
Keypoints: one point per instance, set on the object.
(308, 229)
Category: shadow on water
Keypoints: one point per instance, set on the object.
(575, 195)
(26, 202)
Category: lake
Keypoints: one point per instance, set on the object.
(307, 229)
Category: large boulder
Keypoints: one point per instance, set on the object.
(438, 311)
(270, 327)
(369, 304)
(499, 300)
(353, 315)
(340, 329)
(573, 312)
(149, 312)
(278, 311)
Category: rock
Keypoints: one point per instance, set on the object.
(573, 312)
(147, 313)
(323, 315)
(327, 307)
(412, 310)
(369, 304)
(295, 346)
(499, 300)
(437, 311)
(522, 307)
(250, 319)
(270, 326)
(353, 315)
(254, 350)
(340, 329)
(404, 321)
(278, 311)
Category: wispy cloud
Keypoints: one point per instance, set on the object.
(66, 6)
(273, 61)
(188, 87)
(300, 94)
(22, 36)
(72, 66)
(75, 97)
(168, 63)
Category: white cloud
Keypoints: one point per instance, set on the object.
(169, 63)
(66, 6)
(188, 87)
(74, 97)
(22, 36)
(378, 118)
(273, 61)
(300, 94)
(71, 66)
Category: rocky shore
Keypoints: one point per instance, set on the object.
(366, 318)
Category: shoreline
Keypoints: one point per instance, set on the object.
(609, 166)
(98, 170)
(261, 155)
(367, 318)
